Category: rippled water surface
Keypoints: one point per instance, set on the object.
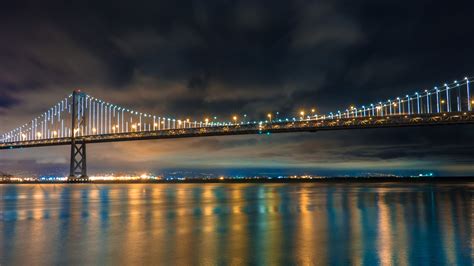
(208, 224)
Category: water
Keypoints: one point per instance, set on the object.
(209, 224)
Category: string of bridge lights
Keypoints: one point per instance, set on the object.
(105, 118)
(436, 100)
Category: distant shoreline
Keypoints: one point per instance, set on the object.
(273, 180)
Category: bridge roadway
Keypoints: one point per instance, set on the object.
(275, 127)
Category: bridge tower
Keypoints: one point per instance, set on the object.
(78, 167)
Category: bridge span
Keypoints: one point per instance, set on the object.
(262, 128)
(81, 119)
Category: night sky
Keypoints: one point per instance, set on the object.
(219, 58)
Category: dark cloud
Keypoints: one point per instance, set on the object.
(7, 100)
(201, 58)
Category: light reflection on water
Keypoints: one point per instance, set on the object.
(236, 224)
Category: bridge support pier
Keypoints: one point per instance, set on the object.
(78, 167)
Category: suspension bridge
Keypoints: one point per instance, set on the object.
(81, 119)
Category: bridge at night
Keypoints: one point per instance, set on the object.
(81, 119)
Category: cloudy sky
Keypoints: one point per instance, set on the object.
(200, 58)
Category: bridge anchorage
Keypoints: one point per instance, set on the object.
(78, 167)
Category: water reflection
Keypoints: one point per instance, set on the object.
(236, 224)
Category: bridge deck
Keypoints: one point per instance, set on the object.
(276, 127)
